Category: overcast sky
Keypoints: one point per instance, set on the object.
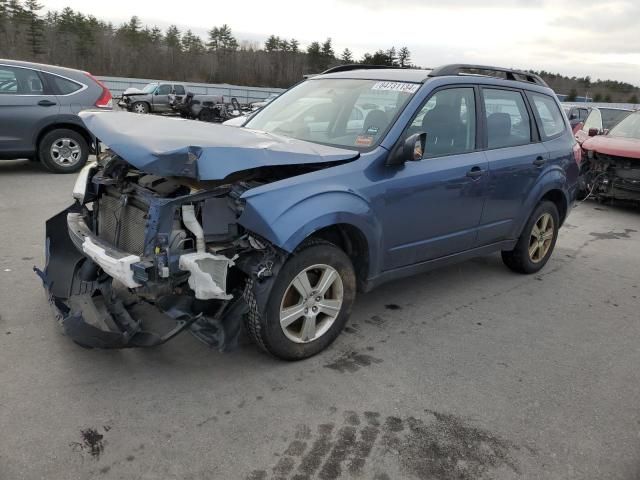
(600, 38)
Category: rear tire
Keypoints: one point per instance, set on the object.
(289, 337)
(63, 151)
(537, 241)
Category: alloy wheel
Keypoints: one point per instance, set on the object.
(541, 237)
(65, 152)
(311, 303)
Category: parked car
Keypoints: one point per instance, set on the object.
(39, 106)
(576, 115)
(600, 120)
(278, 224)
(612, 167)
(153, 98)
(258, 105)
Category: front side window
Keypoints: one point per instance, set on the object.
(594, 120)
(627, 128)
(549, 114)
(508, 122)
(343, 112)
(164, 89)
(449, 120)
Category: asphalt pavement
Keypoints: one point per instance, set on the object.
(468, 372)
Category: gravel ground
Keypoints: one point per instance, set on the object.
(467, 372)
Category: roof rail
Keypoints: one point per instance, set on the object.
(354, 66)
(460, 69)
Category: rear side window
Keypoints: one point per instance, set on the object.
(20, 81)
(61, 85)
(178, 89)
(508, 122)
(549, 115)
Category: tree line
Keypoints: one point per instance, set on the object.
(73, 39)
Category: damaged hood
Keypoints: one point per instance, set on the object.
(617, 146)
(204, 151)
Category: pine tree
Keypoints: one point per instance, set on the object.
(347, 56)
(404, 57)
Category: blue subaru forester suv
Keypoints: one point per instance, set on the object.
(349, 179)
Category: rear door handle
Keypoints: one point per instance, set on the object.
(475, 172)
(538, 162)
(46, 103)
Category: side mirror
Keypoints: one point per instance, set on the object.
(594, 132)
(412, 149)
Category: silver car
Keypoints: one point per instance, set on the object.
(39, 106)
(153, 98)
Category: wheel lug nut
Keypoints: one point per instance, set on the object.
(317, 299)
(315, 309)
(306, 310)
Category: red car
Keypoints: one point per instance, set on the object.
(600, 120)
(612, 166)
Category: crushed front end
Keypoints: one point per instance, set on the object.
(133, 237)
(611, 177)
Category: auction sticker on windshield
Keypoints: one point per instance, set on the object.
(396, 87)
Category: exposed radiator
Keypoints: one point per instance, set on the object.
(131, 220)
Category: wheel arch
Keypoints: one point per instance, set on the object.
(65, 125)
(340, 217)
(551, 187)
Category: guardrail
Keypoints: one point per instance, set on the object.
(117, 85)
(630, 106)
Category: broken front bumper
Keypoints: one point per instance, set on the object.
(92, 310)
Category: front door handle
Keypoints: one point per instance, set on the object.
(46, 103)
(538, 162)
(475, 172)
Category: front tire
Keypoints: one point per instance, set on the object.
(537, 241)
(63, 151)
(140, 107)
(309, 304)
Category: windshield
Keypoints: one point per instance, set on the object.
(627, 128)
(611, 117)
(342, 112)
(150, 88)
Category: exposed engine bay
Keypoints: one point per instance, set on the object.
(171, 242)
(611, 177)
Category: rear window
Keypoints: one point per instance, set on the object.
(549, 115)
(63, 86)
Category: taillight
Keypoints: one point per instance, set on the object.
(105, 100)
(577, 153)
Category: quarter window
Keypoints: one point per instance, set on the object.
(549, 114)
(62, 85)
(508, 122)
(449, 120)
